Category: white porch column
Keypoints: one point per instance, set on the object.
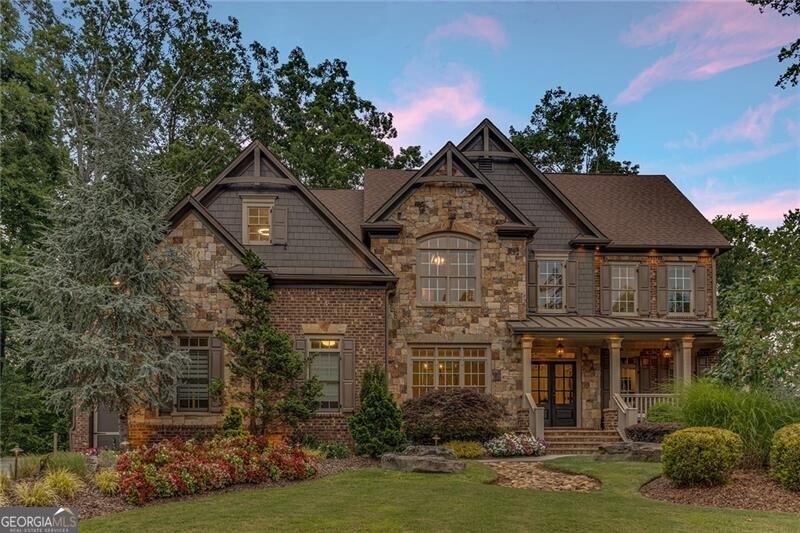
(614, 345)
(685, 376)
(527, 349)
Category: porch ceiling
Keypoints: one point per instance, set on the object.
(596, 325)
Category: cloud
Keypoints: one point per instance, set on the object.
(767, 211)
(708, 38)
(735, 159)
(471, 26)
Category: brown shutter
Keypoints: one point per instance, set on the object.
(217, 370)
(280, 225)
(532, 296)
(643, 297)
(700, 290)
(572, 286)
(300, 345)
(661, 285)
(347, 389)
(605, 290)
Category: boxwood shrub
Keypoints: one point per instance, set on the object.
(466, 449)
(784, 458)
(650, 432)
(701, 456)
(452, 414)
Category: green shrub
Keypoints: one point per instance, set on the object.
(107, 481)
(335, 450)
(305, 440)
(38, 494)
(74, 462)
(664, 413)
(234, 419)
(107, 459)
(784, 457)
(28, 466)
(700, 456)
(754, 415)
(452, 414)
(466, 449)
(5, 483)
(376, 427)
(649, 432)
(63, 482)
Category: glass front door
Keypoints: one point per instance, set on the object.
(553, 387)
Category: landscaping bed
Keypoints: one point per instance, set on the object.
(747, 489)
(532, 475)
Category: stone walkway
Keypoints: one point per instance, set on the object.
(533, 475)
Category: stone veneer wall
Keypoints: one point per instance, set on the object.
(591, 409)
(463, 209)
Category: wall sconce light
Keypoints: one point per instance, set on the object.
(667, 351)
(560, 350)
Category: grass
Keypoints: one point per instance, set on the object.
(382, 500)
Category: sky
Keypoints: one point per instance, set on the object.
(692, 82)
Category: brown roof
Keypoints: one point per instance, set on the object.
(346, 205)
(380, 185)
(637, 210)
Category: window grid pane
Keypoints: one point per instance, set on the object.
(551, 284)
(192, 387)
(623, 288)
(447, 270)
(258, 224)
(448, 367)
(325, 357)
(679, 288)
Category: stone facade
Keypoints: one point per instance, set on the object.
(456, 208)
(591, 410)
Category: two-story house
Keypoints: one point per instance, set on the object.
(574, 299)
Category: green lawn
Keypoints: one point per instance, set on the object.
(380, 500)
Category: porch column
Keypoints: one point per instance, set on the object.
(685, 376)
(527, 349)
(614, 346)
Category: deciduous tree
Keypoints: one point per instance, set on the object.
(790, 52)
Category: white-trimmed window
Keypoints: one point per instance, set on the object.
(447, 270)
(192, 389)
(550, 281)
(624, 280)
(448, 367)
(680, 279)
(325, 356)
(257, 218)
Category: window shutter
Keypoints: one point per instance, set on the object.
(532, 297)
(280, 225)
(347, 389)
(300, 345)
(643, 297)
(605, 290)
(572, 286)
(661, 284)
(217, 370)
(700, 290)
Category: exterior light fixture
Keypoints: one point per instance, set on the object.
(560, 350)
(116, 282)
(437, 260)
(667, 351)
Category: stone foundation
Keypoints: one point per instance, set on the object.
(610, 419)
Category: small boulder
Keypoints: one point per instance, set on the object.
(648, 452)
(421, 463)
(428, 451)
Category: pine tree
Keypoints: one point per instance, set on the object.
(99, 289)
(376, 427)
(275, 391)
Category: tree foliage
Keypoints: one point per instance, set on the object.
(274, 387)
(98, 288)
(572, 134)
(790, 52)
(376, 427)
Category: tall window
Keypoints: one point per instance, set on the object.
(551, 284)
(325, 355)
(257, 219)
(448, 270)
(440, 367)
(192, 393)
(679, 288)
(623, 289)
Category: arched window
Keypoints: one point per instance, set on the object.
(447, 270)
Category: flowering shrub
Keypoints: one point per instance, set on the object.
(174, 467)
(511, 444)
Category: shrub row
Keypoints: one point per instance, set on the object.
(701, 456)
(785, 457)
(513, 444)
(452, 414)
(175, 467)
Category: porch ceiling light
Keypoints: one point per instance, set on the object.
(560, 350)
(667, 351)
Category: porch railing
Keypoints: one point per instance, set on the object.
(643, 402)
(535, 417)
(626, 415)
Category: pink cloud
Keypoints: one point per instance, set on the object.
(755, 124)
(472, 26)
(735, 159)
(709, 38)
(766, 211)
(424, 112)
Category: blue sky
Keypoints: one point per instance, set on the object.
(692, 82)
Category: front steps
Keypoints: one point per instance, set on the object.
(572, 441)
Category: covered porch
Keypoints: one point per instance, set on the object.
(606, 373)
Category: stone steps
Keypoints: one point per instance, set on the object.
(573, 441)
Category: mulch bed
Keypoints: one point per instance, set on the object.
(747, 489)
(91, 503)
(532, 475)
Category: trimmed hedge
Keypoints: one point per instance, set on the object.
(701, 456)
(466, 449)
(784, 458)
(650, 432)
(452, 414)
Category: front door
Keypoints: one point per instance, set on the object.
(553, 387)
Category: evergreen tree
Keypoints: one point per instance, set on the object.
(377, 426)
(99, 287)
(269, 375)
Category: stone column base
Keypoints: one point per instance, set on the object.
(610, 419)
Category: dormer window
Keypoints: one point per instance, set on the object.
(257, 219)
